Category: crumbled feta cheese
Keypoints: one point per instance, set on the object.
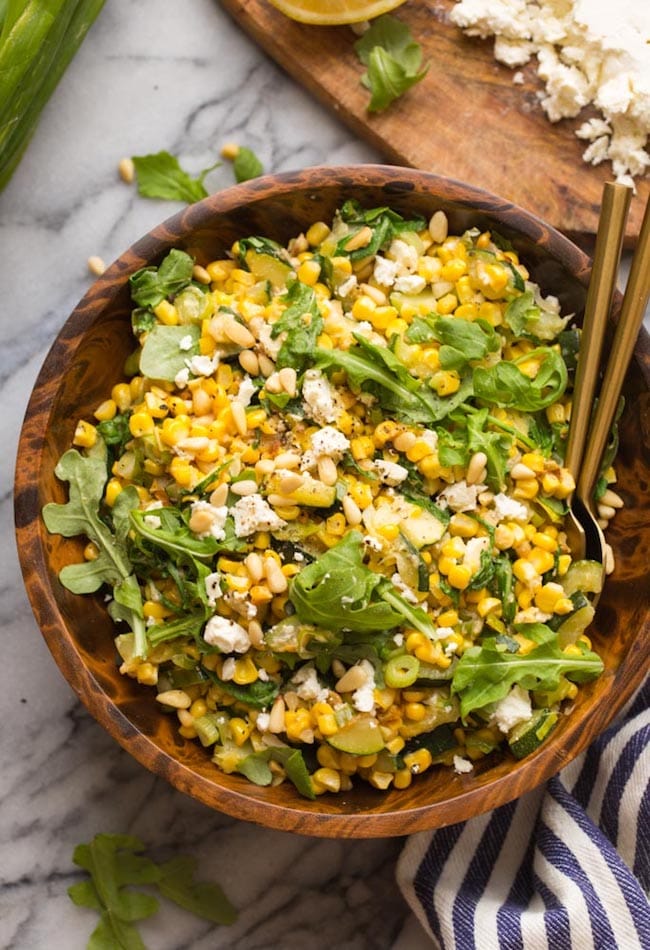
(320, 398)
(330, 442)
(403, 588)
(347, 286)
(474, 547)
(410, 284)
(227, 635)
(307, 686)
(461, 496)
(390, 473)
(405, 255)
(462, 765)
(213, 587)
(253, 513)
(238, 601)
(228, 669)
(585, 56)
(202, 365)
(217, 516)
(182, 378)
(509, 509)
(270, 345)
(186, 342)
(512, 709)
(364, 327)
(263, 721)
(363, 698)
(152, 521)
(385, 271)
(246, 391)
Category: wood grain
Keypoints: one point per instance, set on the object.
(86, 360)
(466, 119)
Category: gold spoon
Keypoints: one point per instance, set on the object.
(583, 533)
(635, 301)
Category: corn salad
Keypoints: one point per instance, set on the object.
(334, 472)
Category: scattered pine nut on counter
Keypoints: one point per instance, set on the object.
(329, 502)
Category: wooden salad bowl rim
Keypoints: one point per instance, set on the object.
(75, 377)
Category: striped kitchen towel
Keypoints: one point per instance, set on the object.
(566, 867)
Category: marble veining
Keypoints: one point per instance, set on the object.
(151, 75)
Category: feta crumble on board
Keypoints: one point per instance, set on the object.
(588, 53)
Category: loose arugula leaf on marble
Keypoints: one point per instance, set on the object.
(115, 863)
(486, 673)
(151, 285)
(160, 176)
(246, 165)
(393, 60)
(166, 350)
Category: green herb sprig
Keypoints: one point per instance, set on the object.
(393, 60)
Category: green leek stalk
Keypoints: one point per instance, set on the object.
(38, 39)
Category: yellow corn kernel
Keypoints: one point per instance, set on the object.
(245, 671)
(389, 531)
(121, 396)
(85, 435)
(361, 493)
(418, 761)
(465, 292)
(534, 460)
(220, 270)
(336, 524)
(308, 272)
(141, 423)
(524, 571)
(296, 721)
(260, 594)
(91, 551)
(154, 609)
(166, 312)
(489, 605)
(362, 447)
(563, 606)
(363, 307)
(419, 450)
(543, 540)
(462, 526)
(445, 564)
(556, 413)
(327, 757)
(429, 268)
(459, 576)
(572, 649)
(524, 596)
(445, 382)
(526, 488)
(430, 466)
(547, 597)
(415, 711)
(541, 560)
(105, 410)
(326, 780)
(183, 473)
(467, 311)
(327, 725)
(317, 233)
(113, 489)
(566, 486)
(453, 269)
(448, 618)
(447, 304)
(453, 547)
(563, 564)
(240, 729)
(397, 326)
(402, 779)
(198, 708)
(491, 312)
(147, 674)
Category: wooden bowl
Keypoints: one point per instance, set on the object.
(86, 360)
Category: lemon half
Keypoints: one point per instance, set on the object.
(334, 12)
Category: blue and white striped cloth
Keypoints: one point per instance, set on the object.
(566, 867)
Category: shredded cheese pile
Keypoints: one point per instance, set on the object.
(588, 54)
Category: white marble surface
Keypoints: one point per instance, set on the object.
(152, 74)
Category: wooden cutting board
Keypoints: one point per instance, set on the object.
(466, 119)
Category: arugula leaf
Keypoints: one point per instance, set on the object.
(462, 340)
(259, 694)
(302, 323)
(338, 592)
(175, 537)
(527, 318)
(393, 59)
(504, 384)
(204, 899)
(160, 176)
(486, 673)
(246, 165)
(114, 864)
(385, 223)
(162, 357)
(496, 446)
(151, 285)
(256, 769)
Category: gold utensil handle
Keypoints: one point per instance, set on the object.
(607, 255)
(635, 301)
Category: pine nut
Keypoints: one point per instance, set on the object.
(194, 444)
(476, 468)
(126, 170)
(273, 384)
(96, 265)
(247, 486)
(351, 510)
(219, 496)
(519, 470)
(609, 559)
(438, 227)
(230, 151)
(404, 441)
(606, 511)
(249, 362)
(237, 333)
(255, 567)
(267, 366)
(239, 417)
(255, 635)
(277, 582)
(290, 482)
(362, 238)
(185, 718)
(288, 379)
(280, 501)
(200, 521)
(338, 669)
(200, 274)
(327, 472)
(177, 698)
(612, 499)
(603, 523)
(235, 467)
(486, 498)
(355, 678)
(276, 716)
(201, 402)
(375, 293)
(264, 467)
(287, 460)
